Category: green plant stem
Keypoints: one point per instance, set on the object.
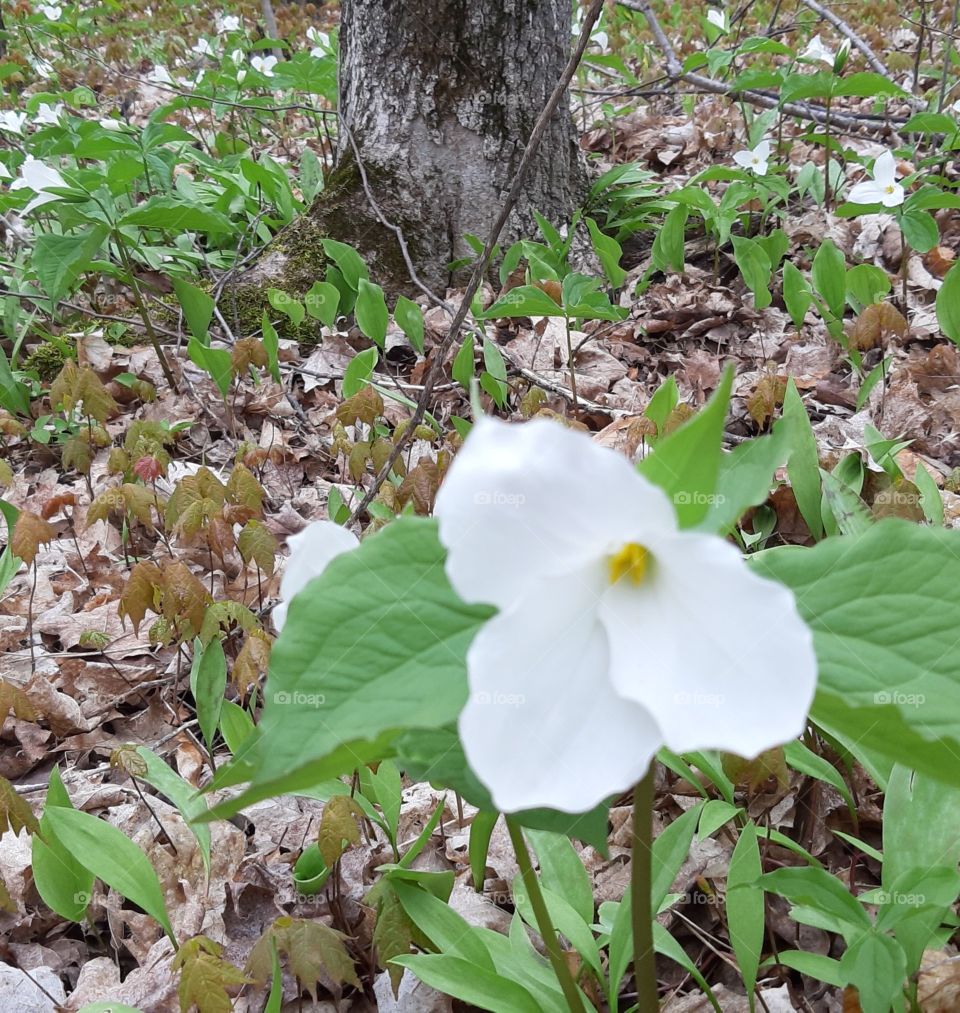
(547, 931)
(641, 884)
(826, 161)
(142, 309)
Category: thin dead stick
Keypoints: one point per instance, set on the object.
(480, 268)
(948, 52)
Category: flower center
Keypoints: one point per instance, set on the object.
(889, 188)
(632, 561)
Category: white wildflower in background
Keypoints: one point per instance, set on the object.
(5, 172)
(42, 68)
(160, 75)
(12, 121)
(816, 50)
(264, 64)
(38, 177)
(47, 115)
(756, 160)
(202, 48)
(320, 40)
(50, 11)
(883, 188)
(310, 552)
(717, 18)
(111, 123)
(617, 633)
(227, 22)
(236, 57)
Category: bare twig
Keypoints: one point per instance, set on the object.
(483, 260)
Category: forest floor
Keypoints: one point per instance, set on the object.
(90, 683)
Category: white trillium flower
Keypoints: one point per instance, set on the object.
(241, 74)
(755, 160)
(47, 115)
(202, 48)
(320, 40)
(227, 22)
(50, 11)
(264, 64)
(43, 68)
(110, 123)
(717, 18)
(236, 57)
(38, 177)
(617, 633)
(160, 75)
(310, 552)
(816, 50)
(12, 121)
(883, 188)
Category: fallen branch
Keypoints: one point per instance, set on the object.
(845, 30)
(483, 261)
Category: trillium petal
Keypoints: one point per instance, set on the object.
(311, 551)
(885, 169)
(867, 192)
(718, 655)
(535, 500)
(543, 726)
(744, 159)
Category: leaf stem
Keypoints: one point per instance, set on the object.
(641, 877)
(547, 931)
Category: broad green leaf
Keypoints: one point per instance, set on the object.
(63, 883)
(462, 368)
(14, 396)
(60, 260)
(714, 815)
(754, 265)
(322, 302)
(825, 969)
(409, 318)
(669, 244)
(664, 400)
(882, 608)
(197, 308)
(182, 794)
(271, 342)
(112, 857)
(523, 301)
(496, 371)
(744, 479)
(801, 758)
(686, 463)
(829, 273)
(745, 911)
(457, 977)
(920, 230)
(375, 644)
(208, 680)
(803, 468)
(796, 293)
(876, 964)
(948, 304)
(867, 284)
(609, 252)
(817, 898)
(371, 311)
(481, 830)
(235, 725)
(930, 499)
(446, 929)
(349, 262)
(358, 372)
(215, 361)
(287, 305)
(562, 871)
(172, 215)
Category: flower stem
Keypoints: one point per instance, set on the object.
(547, 931)
(641, 875)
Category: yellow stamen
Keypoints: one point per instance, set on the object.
(631, 561)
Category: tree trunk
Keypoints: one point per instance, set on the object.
(440, 97)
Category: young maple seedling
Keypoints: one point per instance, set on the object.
(30, 532)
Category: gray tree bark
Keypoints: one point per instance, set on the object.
(440, 97)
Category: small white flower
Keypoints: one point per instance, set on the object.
(616, 634)
(160, 75)
(42, 68)
(4, 172)
(38, 177)
(47, 114)
(883, 188)
(227, 22)
(755, 160)
(956, 107)
(264, 64)
(202, 48)
(816, 50)
(50, 11)
(717, 18)
(236, 57)
(318, 38)
(241, 74)
(110, 123)
(310, 552)
(12, 121)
